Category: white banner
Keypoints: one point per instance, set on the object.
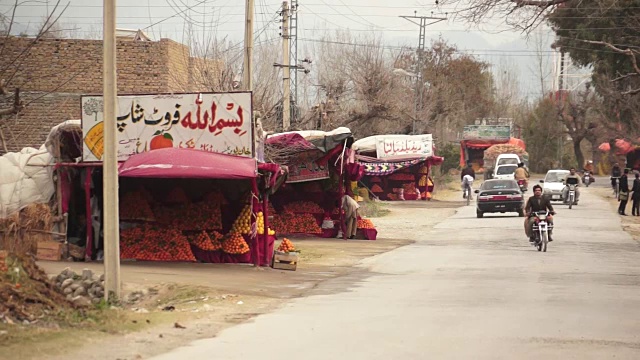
(403, 145)
(221, 123)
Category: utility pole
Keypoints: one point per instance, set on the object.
(560, 97)
(286, 69)
(293, 53)
(247, 76)
(110, 161)
(422, 22)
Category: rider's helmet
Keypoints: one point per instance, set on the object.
(520, 164)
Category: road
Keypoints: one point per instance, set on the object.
(470, 289)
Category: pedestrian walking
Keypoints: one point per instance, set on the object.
(624, 192)
(635, 206)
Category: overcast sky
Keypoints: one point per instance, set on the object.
(494, 42)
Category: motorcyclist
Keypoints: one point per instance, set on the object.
(616, 173)
(522, 174)
(588, 169)
(536, 203)
(571, 179)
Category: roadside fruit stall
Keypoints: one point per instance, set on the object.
(190, 186)
(397, 167)
(317, 161)
(192, 205)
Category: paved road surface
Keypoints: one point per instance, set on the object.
(471, 289)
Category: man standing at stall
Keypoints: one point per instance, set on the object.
(350, 208)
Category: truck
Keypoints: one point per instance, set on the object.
(480, 145)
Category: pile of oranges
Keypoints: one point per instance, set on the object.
(208, 241)
(286, 246)
(197, 216)
(176, 196)
(235, 244)
(376, 189)
(154, 243)
(290, 223)
(365, 224)
(135, 206)
(242, 225)
(304, 207)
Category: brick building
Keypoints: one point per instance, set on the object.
(56, 72)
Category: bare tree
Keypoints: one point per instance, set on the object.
(13, 64)
(355, 73)
(523, 15)
(580, 114)
(542, 70)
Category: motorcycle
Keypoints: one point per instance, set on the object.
(587, 179)
(541, 230)
(523, 185)
(571, 195)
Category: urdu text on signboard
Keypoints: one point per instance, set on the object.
(220, 122)
(486, 132)
(404, 145)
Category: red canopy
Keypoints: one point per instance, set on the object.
(188, 163)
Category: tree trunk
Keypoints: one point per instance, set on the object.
(578, 152)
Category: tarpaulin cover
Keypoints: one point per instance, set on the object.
(604, 147)
(25, 178)
(188, 163)
(292, 140)
(321, 140)
(484, 144)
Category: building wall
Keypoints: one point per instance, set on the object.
(75, 66)
(31, 127)
(70, 67)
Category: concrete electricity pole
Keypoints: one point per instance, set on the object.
(421, 40)
(110, 160)
(247, 76)
(286, 69)
(293, 54)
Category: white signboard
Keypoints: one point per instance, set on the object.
(404, 145)
(219, 123)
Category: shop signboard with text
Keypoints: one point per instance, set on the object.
(308, 169)
(486, 132)
(215, 122)
(404, 145)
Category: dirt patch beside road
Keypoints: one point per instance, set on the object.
(630, 224)
(211, 297)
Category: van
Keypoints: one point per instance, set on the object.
(508, 159)
(505, 171)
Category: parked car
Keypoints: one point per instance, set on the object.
(505, 172)
(499, 196)
(552, 184)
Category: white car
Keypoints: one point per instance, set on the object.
(552, 184)
(505, 172)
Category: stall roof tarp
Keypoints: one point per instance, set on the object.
(188, 163)
(381, 167)
(324, 141)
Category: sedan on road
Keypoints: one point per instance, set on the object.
(553, 184)
(499, 196)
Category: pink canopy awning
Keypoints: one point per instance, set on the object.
(188, 163)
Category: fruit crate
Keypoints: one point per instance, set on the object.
(285, 261)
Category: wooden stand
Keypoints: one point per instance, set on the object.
(285, 261)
